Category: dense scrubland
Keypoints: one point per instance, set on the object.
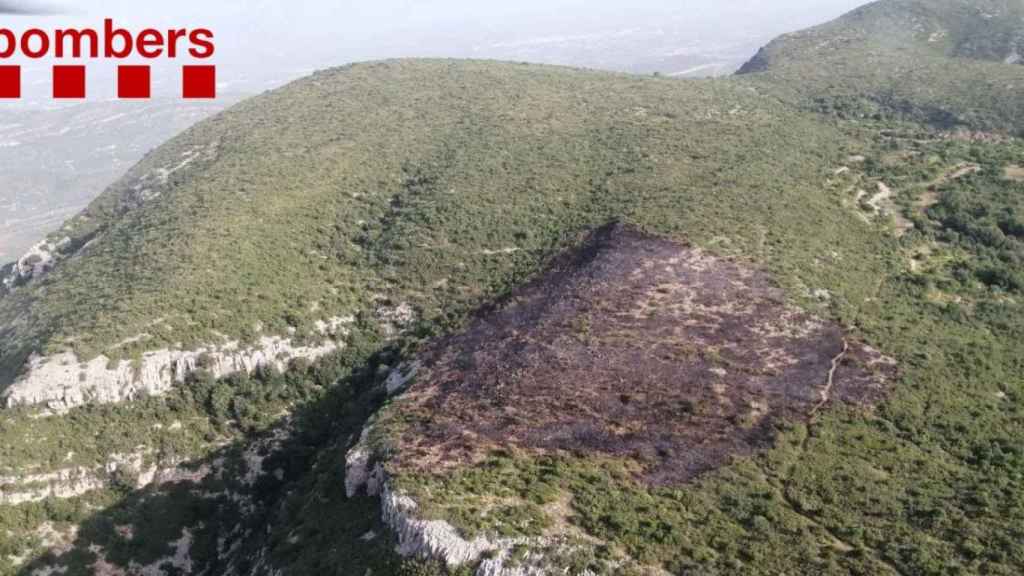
(870, 167)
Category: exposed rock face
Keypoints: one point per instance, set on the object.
(438, 539)
(398, 380)
(498, 567)
(395, 319)
(435, 538)
(362, 467)
(34, 264)
(62, 382)
(66, 483)
(357, 467)
(79, 480)
(431, 538)
(416, 537)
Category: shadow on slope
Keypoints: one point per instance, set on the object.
(274, 500)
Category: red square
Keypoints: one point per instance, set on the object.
(199, 81)
(10, 81)
(69, 81)
(133, 81)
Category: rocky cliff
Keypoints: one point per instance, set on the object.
(62, 381)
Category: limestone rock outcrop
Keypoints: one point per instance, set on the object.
(62, 381)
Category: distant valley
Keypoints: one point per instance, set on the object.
(56, 161)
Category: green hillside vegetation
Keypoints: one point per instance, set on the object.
(406, 181)
(941, 62)
(444, 185)
(930, 482)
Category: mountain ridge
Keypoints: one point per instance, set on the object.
(416, 181)
(943, 62)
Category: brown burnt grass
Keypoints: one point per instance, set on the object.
(638, 347)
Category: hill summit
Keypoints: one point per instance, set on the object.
(954, 64)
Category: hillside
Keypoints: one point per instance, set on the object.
(431, 317)
(954, 64)
(198, 245)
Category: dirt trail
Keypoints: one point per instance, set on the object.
(783, 482)
(931, 196)
(961, 171)
(826, 392)
(879, 200)
(882, 204)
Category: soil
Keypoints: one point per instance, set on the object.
(637, 347)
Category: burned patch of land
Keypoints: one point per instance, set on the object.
(639, 347)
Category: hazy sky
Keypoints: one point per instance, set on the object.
(262, 43)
